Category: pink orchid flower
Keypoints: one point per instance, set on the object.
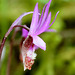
(32, 41)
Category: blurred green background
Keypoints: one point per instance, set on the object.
(59, 57)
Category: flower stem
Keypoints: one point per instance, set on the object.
(2, 45)
(10, 52)
(6, 35)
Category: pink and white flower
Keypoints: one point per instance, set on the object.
(39, 24)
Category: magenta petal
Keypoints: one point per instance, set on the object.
(40, 20)
(50, 30)
(45, 26)
(39, 42)
(19, 18)
(54, 19)
(42, 15)
(34, 20)
(46, 12)
(24, 32)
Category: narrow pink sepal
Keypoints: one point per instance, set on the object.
(46, 12)
(40, 20)
(45, 26)
(19, 18)
(54, 19)
(50, 30)
(34, 20)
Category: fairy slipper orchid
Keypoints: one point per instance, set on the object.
(39, 24)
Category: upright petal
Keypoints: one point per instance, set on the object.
(44, 17)
(46, 12)
(34, 20)
(54, 19)
(39, 42)
(40, 20)
(45, 26)
(42, 14)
